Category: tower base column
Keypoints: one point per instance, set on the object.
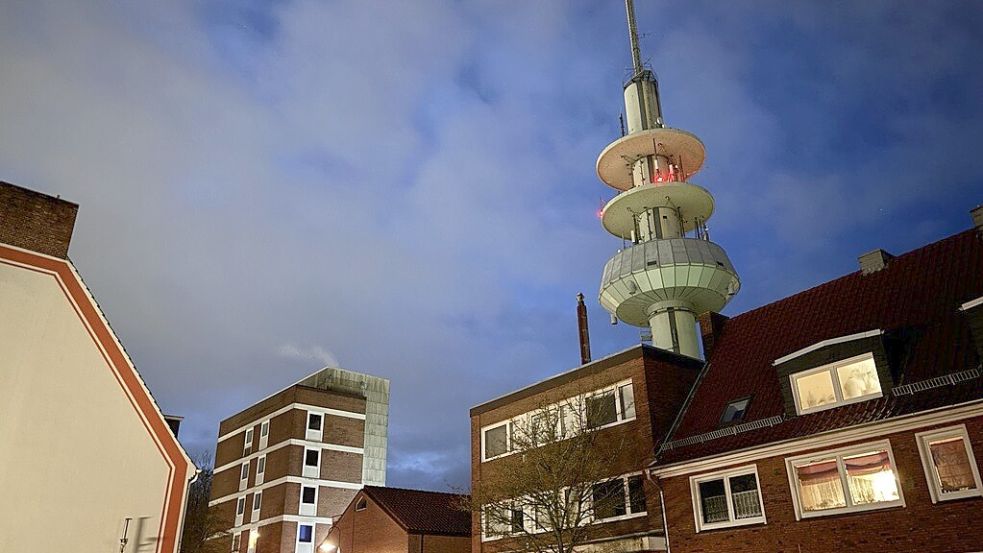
(673, 326)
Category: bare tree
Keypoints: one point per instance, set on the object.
(201, 524)
(560, 478)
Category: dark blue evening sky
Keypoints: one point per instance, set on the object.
(408, 188)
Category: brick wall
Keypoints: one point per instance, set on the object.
(949, 526)
(661, 382)
(35, 221)
(419, 543)
(369, 531)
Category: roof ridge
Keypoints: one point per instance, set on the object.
(411, 490)
(830, 282)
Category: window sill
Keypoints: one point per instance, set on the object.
(852, 510)
(629, 516)
(956, 496)
(728, 525)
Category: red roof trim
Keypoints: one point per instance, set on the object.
(126, 375)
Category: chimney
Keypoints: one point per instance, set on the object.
(582, 330)
(35, 221)
(711, 325)
(873, 261)
(977, 214)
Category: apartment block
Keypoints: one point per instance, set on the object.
(287, 465)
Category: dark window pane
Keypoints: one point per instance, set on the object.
(609, 499)
(496, 441)
(636, 494)
(713, 501)
(601, 410)
(311, 457)
(744, 496)
(360, 506)
(309, 494)
(313, 422)
(517, 521)
(305, 534)
(734, 412)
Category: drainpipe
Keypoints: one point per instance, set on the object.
(662, 505)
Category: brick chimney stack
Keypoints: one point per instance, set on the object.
(35, 221)
(977, 214)
(873, 261)
(582, 330)
(711, 325)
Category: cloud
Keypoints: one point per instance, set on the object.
(416, 191)
(310, 353)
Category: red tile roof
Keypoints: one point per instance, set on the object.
(920, 292)
(423, 512)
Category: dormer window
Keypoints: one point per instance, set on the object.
(840, 383)
(734, 412)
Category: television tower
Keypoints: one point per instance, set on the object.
(668, 271)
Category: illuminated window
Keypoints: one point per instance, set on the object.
(305, 533)
(949, 464)
(840, 383)
(729, 498)
(848, 480)
(734, 412)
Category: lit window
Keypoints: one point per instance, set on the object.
(730, 498)
(949, 464)
(840, 383)
(305, 533)
(311, 457)
(308, 495)
(313, 421)
(856, 479)
(496, 441)
(734, 412)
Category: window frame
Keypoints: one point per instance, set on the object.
(247, 441)
(508, 439)
(236, 542)
(313, 529)
(832, 369)
(260, 469)
(305, 466)
(302, 506)
(725, 475)
(838, 453)
(923, 440)
(626, 492)
(257, 495)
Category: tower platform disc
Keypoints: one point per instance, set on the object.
(694, 202)
(615, 162)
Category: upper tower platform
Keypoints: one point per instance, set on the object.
(665, 278)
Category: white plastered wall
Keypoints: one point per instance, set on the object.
(75, 456)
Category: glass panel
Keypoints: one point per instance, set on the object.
(311, 457)
(495, 522)
(859, 379)
(257, 500)
(601, 410)
(819, 486)
(744, 496)
(305, 533)
(517, 521)
(627, 401)
(734, 412)
(815, 390)
(240, 505)
(264, 429)
(870, 478)
(609, 499)
(261, 465)
(952, 465)
(713, 501)
(308, 495)
(313, 421)
(496, 441)
(636, 494)
(244, 473)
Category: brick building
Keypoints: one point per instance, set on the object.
(393, 520)
(846, 417)
(87, 460)
(644, 388)
(287, 465)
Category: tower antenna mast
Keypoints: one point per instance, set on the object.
(636, 50)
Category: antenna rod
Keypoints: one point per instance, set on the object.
(636, 51)
(582, 330)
